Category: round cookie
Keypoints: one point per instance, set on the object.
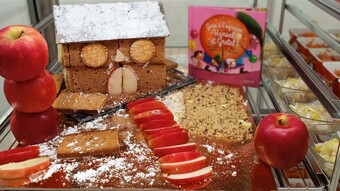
(142, 51)
(94, 55)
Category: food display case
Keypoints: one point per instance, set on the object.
(275, 94)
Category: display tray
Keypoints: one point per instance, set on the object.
(234, 162)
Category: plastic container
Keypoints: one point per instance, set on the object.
(304, 44)
(315, 116)
(335, 33)
(279, 66)
(331, 72)
(299, 32)
(325, 152)
(291, 83)
(269, 49)
(326, 166)
(320, 56)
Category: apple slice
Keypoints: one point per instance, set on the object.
(129, 80)
(139, 101)
(120, 57)
(23, 169)
(115, 82)
(147, 106)
(191, 177)
(184, 166)
(157, 123)
(179, 157)
(169, 139)
(152, 115)
(19, 154)
(166, 131)
(149, 132)
(162, 151)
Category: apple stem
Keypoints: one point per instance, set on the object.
(282, 122)
(22, 32)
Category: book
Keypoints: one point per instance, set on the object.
(225, 44)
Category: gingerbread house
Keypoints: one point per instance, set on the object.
(112, 48)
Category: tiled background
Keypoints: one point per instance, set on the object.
(16, 12)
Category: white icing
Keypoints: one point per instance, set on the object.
(108, 21)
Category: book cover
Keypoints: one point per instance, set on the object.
(225, 44)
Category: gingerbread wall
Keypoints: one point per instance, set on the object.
(82, 76)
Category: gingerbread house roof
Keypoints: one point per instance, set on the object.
(109, 21)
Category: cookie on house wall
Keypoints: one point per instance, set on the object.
(142, 51)
(94, 55)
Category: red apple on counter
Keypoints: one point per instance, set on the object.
(197, 176)
(162, 151)
(24, 53)
(281, 140)
(33, 128)
(23, 169)
(31, 96)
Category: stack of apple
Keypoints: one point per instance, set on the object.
(182, 165)
(17, 164)
(29, 87)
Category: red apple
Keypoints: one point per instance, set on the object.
(31, 96)
(147, 106)
(165, 131)
(184, 166)
(139, 101)
(33, 128)
(281, 140)
(162, 151)
(157, 123)
(152, 115)
(170, 139)
(23, 169)
(149, 132)
(179, 157)
(197, 176)
(24, 53)
(19, 154)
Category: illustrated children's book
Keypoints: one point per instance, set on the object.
(225, 44)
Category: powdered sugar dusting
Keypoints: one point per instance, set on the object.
(175, 103)
(109, 21)
(119, 170)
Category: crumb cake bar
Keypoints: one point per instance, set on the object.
(213, 110)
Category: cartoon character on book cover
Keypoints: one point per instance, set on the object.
(226, 41)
